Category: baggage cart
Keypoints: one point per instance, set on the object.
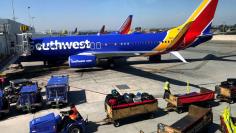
(119, 112)
(57, 90)
(197, 120)
(182, 101)
(30, 98)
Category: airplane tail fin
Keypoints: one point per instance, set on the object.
(202, 18)
(102, 31)
(125, 28)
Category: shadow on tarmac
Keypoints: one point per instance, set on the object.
(213, 128)
(134, 71)
(141, 73)
(92, 127)
(208, 57)
(32, 72)
(77, 97)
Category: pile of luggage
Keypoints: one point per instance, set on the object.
(226, 91)
(230, 82)
(115, 98)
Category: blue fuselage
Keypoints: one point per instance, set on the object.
(63, 47)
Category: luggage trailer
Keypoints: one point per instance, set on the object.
(197, 120)
(30, 98)
(57, 90)
(182, 101)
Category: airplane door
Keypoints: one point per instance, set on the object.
(93, 46)
(98, 45)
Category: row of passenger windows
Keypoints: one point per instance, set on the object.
(135, 43)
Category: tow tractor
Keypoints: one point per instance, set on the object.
(51, 123)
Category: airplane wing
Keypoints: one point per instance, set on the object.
(118, 53)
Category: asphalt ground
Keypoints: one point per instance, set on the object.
(209, 64)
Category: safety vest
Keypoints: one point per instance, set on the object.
(231, 127)
(74, 115)
(167, 86)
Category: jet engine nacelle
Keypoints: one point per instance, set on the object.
(82, 61)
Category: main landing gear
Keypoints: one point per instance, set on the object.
(154, 58)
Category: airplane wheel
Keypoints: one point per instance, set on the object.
(156, 58)
(111, 63)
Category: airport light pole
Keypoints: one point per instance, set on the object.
(29, 16)
(13, 10)
(32, 21)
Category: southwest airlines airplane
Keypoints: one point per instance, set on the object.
(87, 50)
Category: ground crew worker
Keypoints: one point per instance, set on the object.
(188, 87)
(73, 116)
(167, 89)
(75, 113)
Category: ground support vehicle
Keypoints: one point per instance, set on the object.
(30, 98)
(57, 90)
(50, 124)
(226, 91)
(12, 91)
(4, 104)
(181, 102)
(118, 112)
(197, 120)
(227, 122)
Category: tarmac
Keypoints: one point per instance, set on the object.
(209, 64)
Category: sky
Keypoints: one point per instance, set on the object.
(92, 14)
